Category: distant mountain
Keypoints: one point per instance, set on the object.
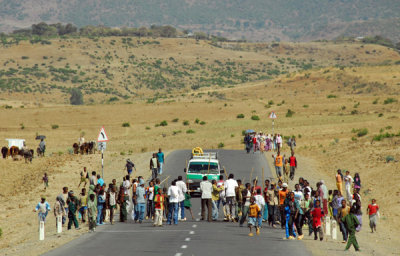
(296, 20)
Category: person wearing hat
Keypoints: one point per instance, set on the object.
(282, 196)
(141, 201)
(43, 209)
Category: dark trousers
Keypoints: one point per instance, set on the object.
(271, 214)
(112, 209)
(72, 218)
(154, 173)
(321, 233)
(343, 230)
(291, 224)
(149, 208)
(282, 212)
(299, 224)
(309, 222)
(244, 214)
(206, 202)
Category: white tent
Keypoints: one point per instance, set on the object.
(16, 142)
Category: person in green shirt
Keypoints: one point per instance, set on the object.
(351, 222)
(187, 204)
(72, 208)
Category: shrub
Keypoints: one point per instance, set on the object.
(202, 123)
(221, 145)
(1, 232)
(22, 126)
(54, 126)
(375, 102)
(354, 112)
(353, 138)
(197, 120)
(175, 120)
(362, 132)
(255, 117)
(331, 96)
(143, 150)
(76, 97)
(126, 124)
(389, 101)
(380, 115)
(389, 159)
(305, 106)
(122, 153)
(164, 123)
(232, 135)
(240, 116)
(176, 132)
(190, 131)
(148, 128)
(289, 113)
(186, 122)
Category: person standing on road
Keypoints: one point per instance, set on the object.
(150, 197)
(173, 195)
(341, 214)
(206, 198)
(72, 207)
(293, 165)
(278, 164)
(160, 156)
(154, 166)
(348, 182)
(282, 196)
(339, 181)
(182, 191)
(246, 203)
(247, 142)
(373, 212)
(141, 201)
(261, 204)
(272, 205)
(230, 192)
(215, 198)
(351, 223)
(159, 208)
(254, 213)
(324, 196)
(92, 212)
(317, 215)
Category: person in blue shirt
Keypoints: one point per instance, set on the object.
(43, 209)
(160, 157)
(141, 201)
(100, 181)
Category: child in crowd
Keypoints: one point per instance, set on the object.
(159, 208)
(83, 205)
(317, 214)
(72, 207)
(351, 223)
(43, 209)
(92, 212)
(254, 213)
(373, 212)
(187, 204)
(45, 181)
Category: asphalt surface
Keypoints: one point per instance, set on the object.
(192, 237)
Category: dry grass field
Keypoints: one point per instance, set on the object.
(331, 104)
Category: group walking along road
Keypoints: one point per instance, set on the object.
(191, 237)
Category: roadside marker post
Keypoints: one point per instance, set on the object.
(273, 116)
(102, 139)
(334, 230)
(59, 224)
(328, 226)
(41, 230)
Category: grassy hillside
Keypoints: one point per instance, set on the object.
(254, 19)
(114, 69)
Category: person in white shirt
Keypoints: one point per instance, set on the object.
(182, 191)
(173, 194)
(298, 194)
(230, 194)
(348, 181)
(206, 189)
(279, 141)
(260, 201)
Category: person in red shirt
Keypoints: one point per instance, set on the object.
(293, 165)
(317, 214)
(373, 211)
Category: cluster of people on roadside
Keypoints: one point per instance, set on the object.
(273, 202)
(266, 142)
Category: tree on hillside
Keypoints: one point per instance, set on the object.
(76, 97)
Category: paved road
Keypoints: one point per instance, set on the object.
(192, 237)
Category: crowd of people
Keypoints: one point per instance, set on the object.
(272, 203)
(263, 142)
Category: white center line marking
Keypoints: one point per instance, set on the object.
(178, 254)
(187, 239)
(191, 233)
(199, 213)
(197, 219)
(194, 226)
(184, 246)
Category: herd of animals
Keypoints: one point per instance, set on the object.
(18, 154)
